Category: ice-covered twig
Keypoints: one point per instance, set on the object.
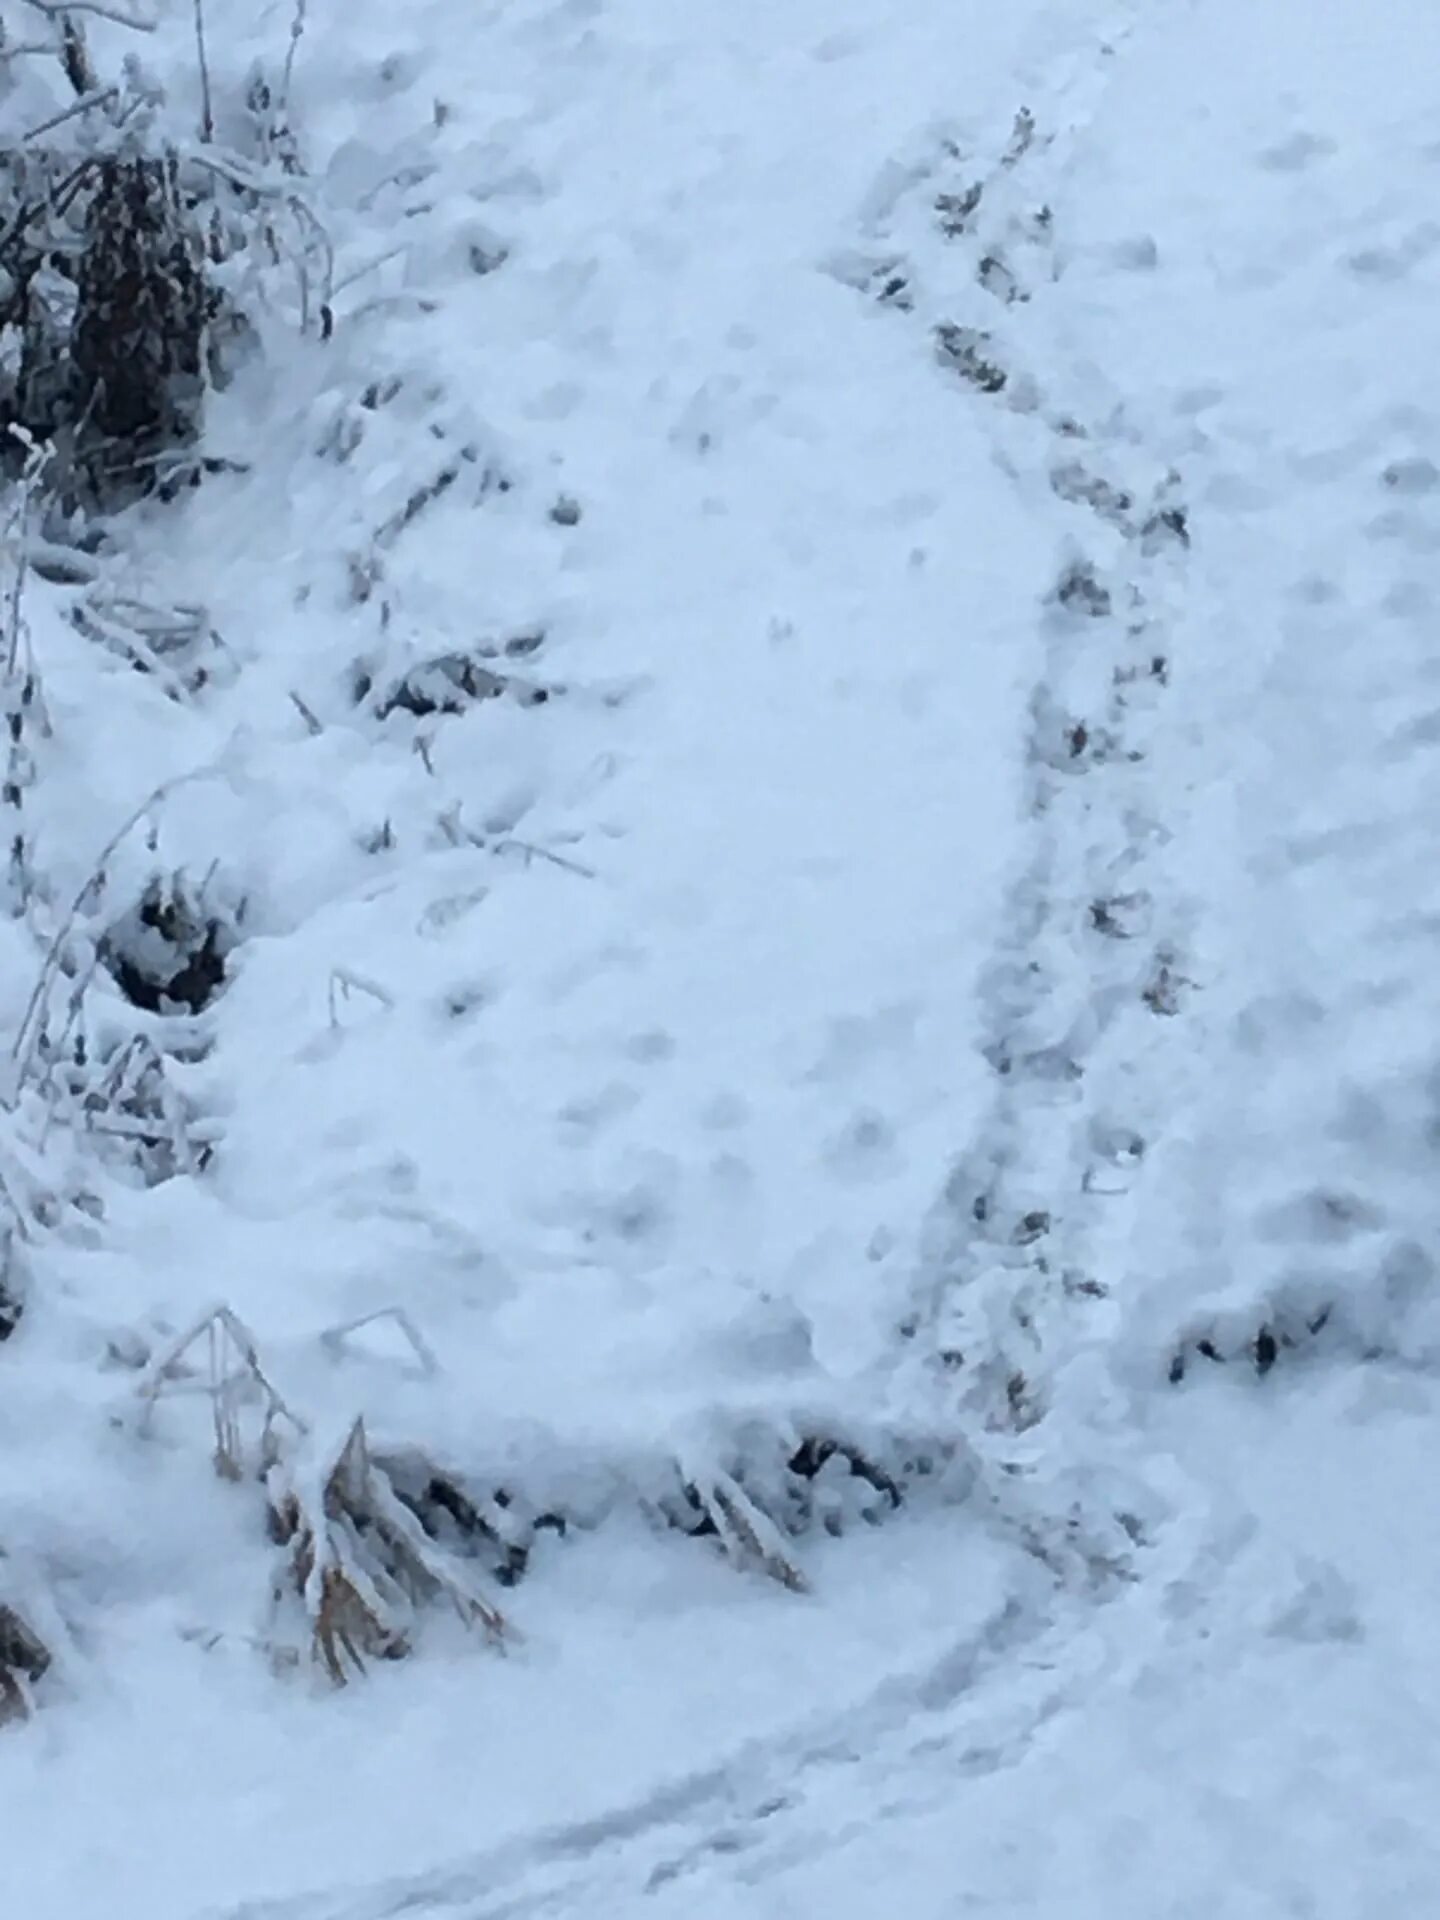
(207, 116)
(532, 852)
(369, 266)
(35, 456)
(347, 982)
(59, 9)
(227, 1338)
(87, 103)
(750, 1537)
(287, 79)
(130, 642)
(333, 1338)
(246, 180)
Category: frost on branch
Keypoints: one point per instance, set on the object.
(235, 1381)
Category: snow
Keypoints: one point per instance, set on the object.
(943, 965)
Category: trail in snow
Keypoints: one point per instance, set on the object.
(1085, 994)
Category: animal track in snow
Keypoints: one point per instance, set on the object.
(1091, 966)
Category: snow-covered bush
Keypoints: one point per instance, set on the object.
(130, 244)
(136, 345)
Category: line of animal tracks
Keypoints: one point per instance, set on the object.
(1091, 975)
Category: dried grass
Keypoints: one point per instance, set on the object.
(234, 1377)
(361, 1562)
(747, 1535)
(24, 1660)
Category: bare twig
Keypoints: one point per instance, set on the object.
(247, 181)
(346, 982)
(58, 9)
(88, 621)
(75, 56)
(61, 565)
(370, 266)
(140, 1102)
(297, 29)
(227, 1338)
(20, 49)
(18, 1218)
(15, 618)
(333, 1338)
(532, 852)
(207, 117)
(85, 104)
(123, 1127)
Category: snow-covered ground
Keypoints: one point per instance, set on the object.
(925, 947)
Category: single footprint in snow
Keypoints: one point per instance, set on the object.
(1321, 1605)
(1233, 493)
(731, 1177)
(864, 1148)
(505, 813)
(651, 1048)
(768, 1336)
(467, 997)
(724, 1113)
(1415, 475)
(399, 70)
(1201, 398)
(629, 1221)
(588, 1114)
(1394, 260)
(1137, 253)
(1296, 152)
(1413, 534)
(913, 509)
(1407, 600)
(853, 1040)
(615, 956)
(1422, 733)
(1322, 1217)
(638, 1219)
(1279, 1021)
(1315, 590)
(555, 402)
